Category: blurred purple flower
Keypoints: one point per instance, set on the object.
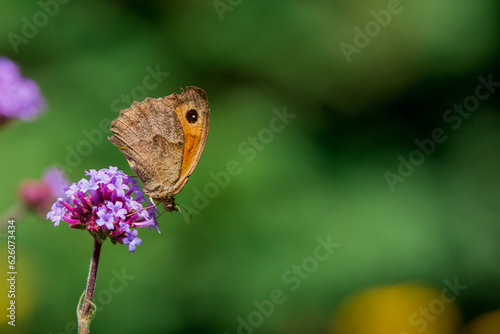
(19, 97)
(56, 179)
(104, 206)
(38, 195)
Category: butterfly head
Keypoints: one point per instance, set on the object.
(169, 207)
(169, 204)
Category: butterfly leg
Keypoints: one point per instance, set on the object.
(152, 202)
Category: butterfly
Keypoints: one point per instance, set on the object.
(163, 140)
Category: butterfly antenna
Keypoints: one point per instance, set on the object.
(179, 209)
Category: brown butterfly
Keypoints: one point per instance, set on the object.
(163, 140)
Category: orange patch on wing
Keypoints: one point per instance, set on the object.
(192, 139)
(191, 145)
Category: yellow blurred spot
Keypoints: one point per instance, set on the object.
(488, 323)
(22, 292)
(398, 309)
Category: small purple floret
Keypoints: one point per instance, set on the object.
(132, 241)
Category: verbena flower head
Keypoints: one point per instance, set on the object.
(108, 205)
(19, 97)
(38, 195)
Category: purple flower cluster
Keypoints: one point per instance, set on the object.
(103, 205)
(19, 97)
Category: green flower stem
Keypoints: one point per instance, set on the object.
(86, 312)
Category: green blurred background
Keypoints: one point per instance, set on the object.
(322, 176)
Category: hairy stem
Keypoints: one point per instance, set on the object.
(85, 314)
